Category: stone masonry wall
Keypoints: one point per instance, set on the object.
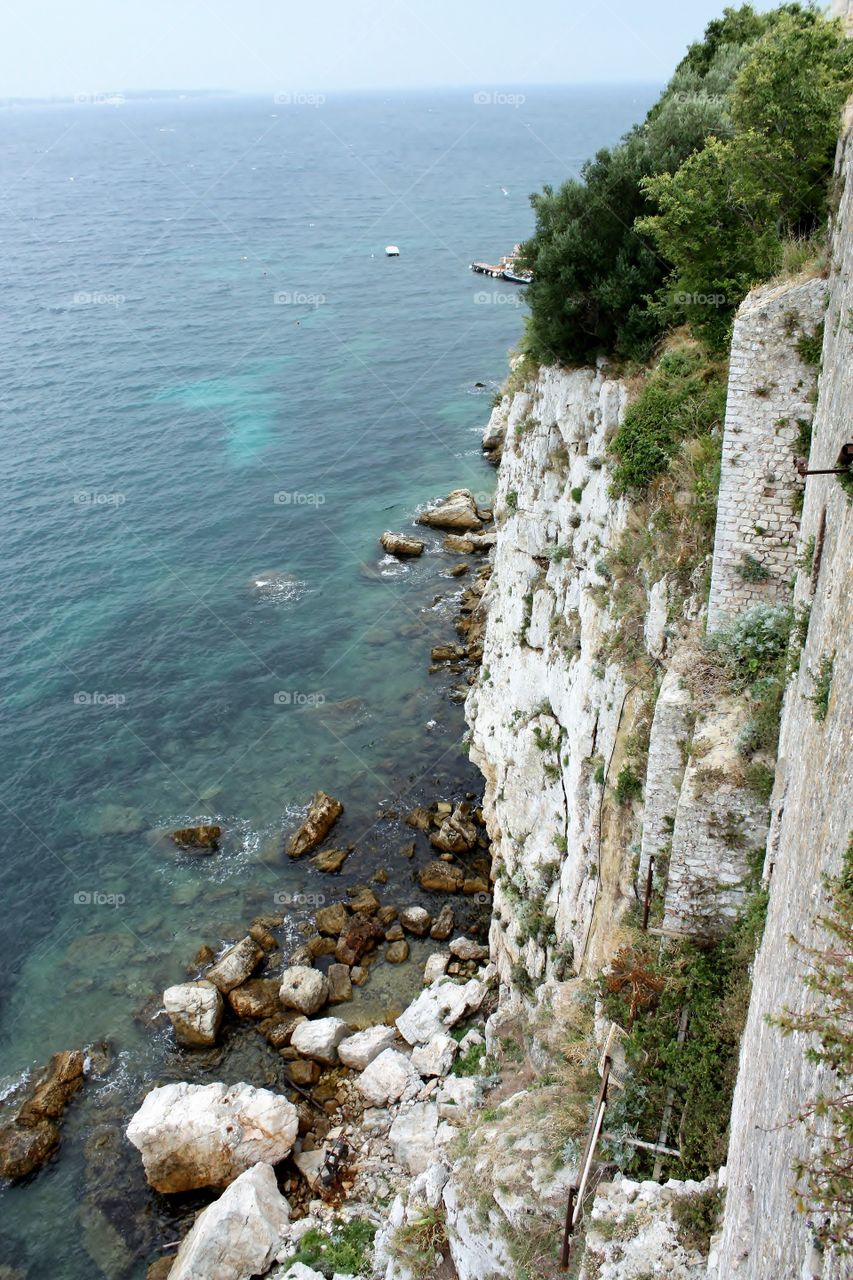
(770, 388)
(812, 819)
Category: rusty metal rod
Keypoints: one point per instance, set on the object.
(647, 903)
(574, 1206)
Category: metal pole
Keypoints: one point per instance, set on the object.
(573, 1208)
(648, 899)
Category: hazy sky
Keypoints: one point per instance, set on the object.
(67, 47)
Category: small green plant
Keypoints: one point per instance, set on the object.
(512, 500)
(822, 687)
(810, 346)
(696, 1218)
(751, 570)
(557, 554)
(577, 493)
(346, 1250)
(628, 785)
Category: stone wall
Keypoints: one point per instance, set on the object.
(812, 820)
(770, 391)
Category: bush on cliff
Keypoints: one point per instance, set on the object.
(725, 213)
(693, 207)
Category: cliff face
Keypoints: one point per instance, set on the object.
(557, 715)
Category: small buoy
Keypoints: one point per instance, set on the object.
(392, 251)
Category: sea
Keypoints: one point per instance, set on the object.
(218, 391)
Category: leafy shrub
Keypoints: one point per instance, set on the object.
(753, 644)
(418, 1240)
(346, 1250)
(751, 570)
(683, 397)
(628, 785)
(822, 688)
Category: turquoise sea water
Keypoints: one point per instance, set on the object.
(217, 392)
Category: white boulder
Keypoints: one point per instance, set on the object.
(388, 1077)
(358, 1051)
(465, 949)
(192, 1135)
(440, 1006)
(195, 1009)
(320, 1039)
(304, 989)
(239, 1235)
(436, 966)
(412, 1136)
(436, 1057)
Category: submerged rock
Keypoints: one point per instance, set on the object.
(465, 949)
(416, 920)
(401, 544)
(239, 1235)
(30, 1134)
(323, 813)
(204, 837)
(193, 1136)
(330, 860)
(340, 983)
(397, 952)
(441, 877)
(333, 919)
(443, 923)
(195, 1011)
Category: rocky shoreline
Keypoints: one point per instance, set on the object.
(353, 1111)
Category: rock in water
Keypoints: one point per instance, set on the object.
(235, 965)
(441, 877)
(239, 1235)
(206, 838)
(415, 920)
(193, 1136)
(361, 935)
(195, 1009)
(304, 989)
(444, 922)
(332, 920)
(258, 998)
(401, 544)
(457, 834)
(465, 949)
(330, 860)
(457, 511)
(31, 1133)
(323, 813)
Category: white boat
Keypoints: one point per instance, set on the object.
(392, 251)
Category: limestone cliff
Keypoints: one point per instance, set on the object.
(557, 714)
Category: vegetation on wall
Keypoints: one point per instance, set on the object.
(712, 983)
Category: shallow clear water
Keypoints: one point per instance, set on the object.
(218, 391)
